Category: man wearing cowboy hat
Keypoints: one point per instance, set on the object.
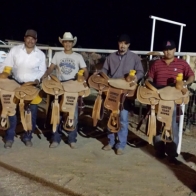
(67, 64)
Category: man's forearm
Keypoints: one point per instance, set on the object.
(190, 80)
(86, 74)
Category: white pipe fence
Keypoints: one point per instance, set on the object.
(168, 21)
(106, 51)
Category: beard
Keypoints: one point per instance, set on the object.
(122, 50)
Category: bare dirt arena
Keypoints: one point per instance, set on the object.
(90, 171)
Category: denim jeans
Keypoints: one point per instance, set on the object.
(169, 148)
(56, 137)
(123, 132)
(10, 133)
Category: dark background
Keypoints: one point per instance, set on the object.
(98, 23)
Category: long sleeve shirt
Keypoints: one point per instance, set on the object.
(117, 66)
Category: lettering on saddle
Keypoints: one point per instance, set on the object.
(116, 91)
(163, 100)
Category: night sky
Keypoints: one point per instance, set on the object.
(98, 23)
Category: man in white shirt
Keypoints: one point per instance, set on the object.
(28, 64)
(67, 63)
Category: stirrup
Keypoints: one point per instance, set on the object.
(166, 136)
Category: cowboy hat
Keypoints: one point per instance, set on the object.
(68, 36)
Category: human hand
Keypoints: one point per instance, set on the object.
(4, 75)
(44, 76)
(96, 72)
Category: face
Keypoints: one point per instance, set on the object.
(68, 45)
(169, 54)
(123, 47)
(30, 42)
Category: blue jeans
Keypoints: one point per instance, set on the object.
(56, 137)
(123, 132)
(169, 148)
(10, 133)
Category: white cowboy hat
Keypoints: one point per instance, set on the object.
(68, 36)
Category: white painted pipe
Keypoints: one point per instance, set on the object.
(49, 56)
(180, 39)
(181, 122)
(152, 36)
(101, 50)
(169, 21)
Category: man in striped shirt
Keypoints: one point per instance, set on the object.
(163, 73)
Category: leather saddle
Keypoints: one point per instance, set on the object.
(25, 94)
(70, 90)
(116, 91)
(162, 103)
(8, 101)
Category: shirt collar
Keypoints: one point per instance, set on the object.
(34, 50)
(175, 59)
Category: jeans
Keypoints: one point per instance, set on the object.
(169, 148)
(56, 137)
(10, 133)
(123, 132)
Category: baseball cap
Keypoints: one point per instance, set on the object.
(31, 33)
(169, 45)
(124, 37)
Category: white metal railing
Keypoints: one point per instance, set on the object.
(107, 51)
(168, 21)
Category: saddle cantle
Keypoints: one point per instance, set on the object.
(25, 94)
(116, 91)
(163, 100)
(7, 93)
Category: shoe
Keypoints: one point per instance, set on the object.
(107, 147)
(53, 145)
(8, 144)
(73, 145)
(28, 143)
(174, 161)
(119, 151)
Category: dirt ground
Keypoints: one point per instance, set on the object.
(90, 171)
